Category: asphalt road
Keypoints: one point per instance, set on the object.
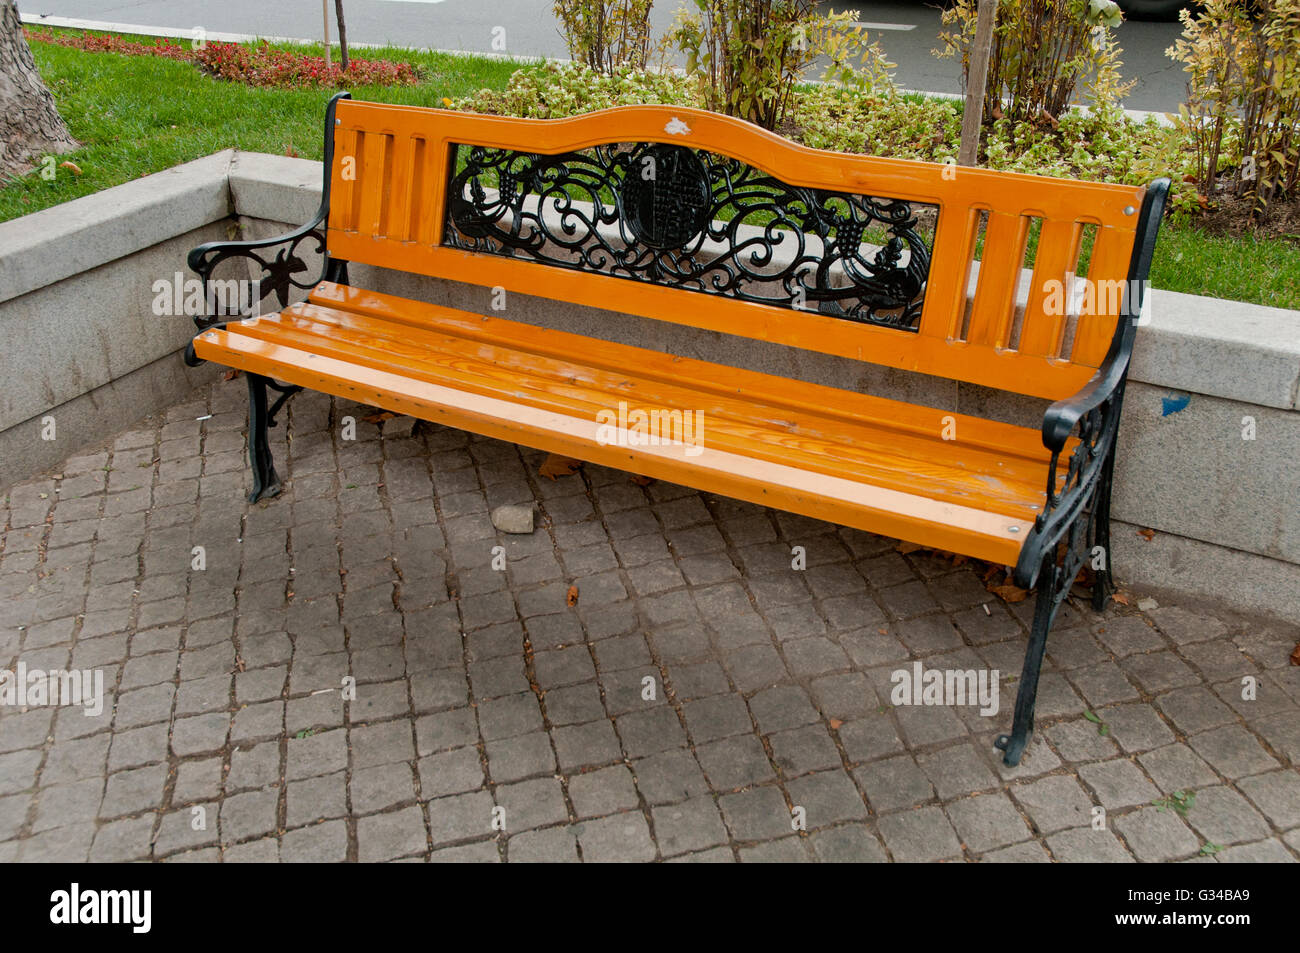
(907, 29)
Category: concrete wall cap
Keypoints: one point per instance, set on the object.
(56, 243)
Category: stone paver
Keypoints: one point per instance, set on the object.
(364, 670)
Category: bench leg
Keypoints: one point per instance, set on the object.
(1103, 582)
(1022, 726)
(266, 482)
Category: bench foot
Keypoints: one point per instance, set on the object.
(1013, 746)
(1022, 726)
(266, 482)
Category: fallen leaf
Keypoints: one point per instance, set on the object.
(906, 548)
(1121, 597)
(557, 466)
(640, 480)
(835, 724)
(72, 166)
(1008, 592)
(1295, 656)
(230, 375)
(572, 597)
(1147, 533)
(380, 417)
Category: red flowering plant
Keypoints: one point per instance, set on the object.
(258, 65)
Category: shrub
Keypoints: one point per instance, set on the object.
(748, 55)
(556, 90)
(1242, 116)
(1097, 145)
(1042, 50)
(263, 66)
(606, 34)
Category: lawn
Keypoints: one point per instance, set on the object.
(140, 114)
(137, 115)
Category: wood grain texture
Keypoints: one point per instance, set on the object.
(867, 462)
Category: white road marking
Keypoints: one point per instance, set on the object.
(181, 33)
(901, 27)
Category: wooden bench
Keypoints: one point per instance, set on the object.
(702, 220)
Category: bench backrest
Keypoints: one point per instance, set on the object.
(696, 218)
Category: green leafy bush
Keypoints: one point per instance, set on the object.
(1098, 145)
(556, 90)
(606, 34)
(748, 55)
(1042, 51)
(1242, 116)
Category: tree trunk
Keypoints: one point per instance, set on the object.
(343, 36)
(977, 78)
(30, 124)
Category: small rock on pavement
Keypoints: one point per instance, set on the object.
(398, 427)
(513, 519)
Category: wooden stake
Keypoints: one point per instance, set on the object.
(325, 9)
(977, 82)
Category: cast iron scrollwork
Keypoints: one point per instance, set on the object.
(671, 215)
(1069, 523)
(281, 272)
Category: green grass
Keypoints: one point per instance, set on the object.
(139, 115)
(136, 115)
(1261, 271)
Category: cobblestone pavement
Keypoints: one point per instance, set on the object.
(700, 700)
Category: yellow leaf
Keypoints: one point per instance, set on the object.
(556, 466)
(1009, 592)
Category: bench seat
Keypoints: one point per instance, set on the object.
(867, 462)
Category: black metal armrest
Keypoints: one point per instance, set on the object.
(1093, 415)
(1063, 416)
(281, 265)
(280, 271)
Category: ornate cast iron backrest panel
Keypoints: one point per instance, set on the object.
(697, 220)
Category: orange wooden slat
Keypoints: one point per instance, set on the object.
(1055, 261)
(945, 291)
(397, 217)
(1103, 296)
(787, 397)
(999, 277)
(798, 165)
(343, 180)
(373, 183)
